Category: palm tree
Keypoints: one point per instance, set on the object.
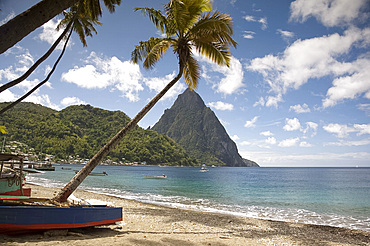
(185, 28)
(78, 19)
(23, 24)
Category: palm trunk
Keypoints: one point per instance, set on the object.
(23, 24)
(42, 82)
(63, 195)
(37, 63)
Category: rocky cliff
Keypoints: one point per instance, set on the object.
(197, 129)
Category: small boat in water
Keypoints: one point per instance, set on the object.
(203, 168)
(154, 177)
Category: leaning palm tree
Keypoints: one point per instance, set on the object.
(186, 29)
(78, 19)
(23, 24)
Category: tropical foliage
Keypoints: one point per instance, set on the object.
(82, 130)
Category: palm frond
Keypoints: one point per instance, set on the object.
(216, 28)
(156, 16)
(216, 52)
(150, 51)
(156, 53)
(110, 4)
(191, 72)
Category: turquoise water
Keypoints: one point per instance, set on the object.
(327, 196)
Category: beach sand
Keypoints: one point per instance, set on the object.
(146, 224)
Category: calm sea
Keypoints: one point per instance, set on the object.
(326, 196)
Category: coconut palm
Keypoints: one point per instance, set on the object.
(78, 19)
(23, 24)
(186, 29)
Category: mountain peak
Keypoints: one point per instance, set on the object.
(197, 129)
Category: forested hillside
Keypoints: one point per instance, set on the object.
(82, 130)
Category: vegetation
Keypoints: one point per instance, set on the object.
(82, 130)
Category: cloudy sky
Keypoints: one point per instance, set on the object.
(297, 92)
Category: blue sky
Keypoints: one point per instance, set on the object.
(297, 92)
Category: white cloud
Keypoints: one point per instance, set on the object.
(362, 129)
(68, 101)
(43, 100)
(285, 34)
(248, 35)
(244, 143)
(351, 86)
(328, 12)
(261, 102)
(317, 58)
(251, 18)
(221, 105)
(158, 83)
(233, 75)
(267, 133)
(311, 127)
(7, 96)
(251, 123)
(305, 144)
(342, 143)
(101, 73)
(292, 125)
(7, 18)
(270, 158)
(290, 142)
(271, 140)
(235, 138)
(299, 109)
(364, 107)
(49, 33)
(341, 131)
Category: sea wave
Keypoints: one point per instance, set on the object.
(204, 205)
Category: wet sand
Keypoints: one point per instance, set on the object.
(146, 224)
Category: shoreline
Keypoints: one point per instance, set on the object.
(148, 224)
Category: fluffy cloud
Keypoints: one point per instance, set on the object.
(248, 34)
(317, 58)
(292, 125)
(290, 142)
(267, 133)
(221, 105)
(49, 33)
(68, 101)
(341, 131)
(271, 140)
(311, 127)
(262, 21)
(101, 73)
(235, 137)
(328, 12)
(305, 144)
(158, 83)
(251, 123)
(299, 109)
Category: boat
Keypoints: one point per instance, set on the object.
(154, 177)
(203, 168)
(66, 168)
(16, 218)
(44, 166)
(94, 173)
(12, 177)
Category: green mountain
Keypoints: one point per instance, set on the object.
(196, 128)
(83, 130)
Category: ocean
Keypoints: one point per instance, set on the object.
(337, 197)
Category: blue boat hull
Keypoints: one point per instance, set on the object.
(25, 218)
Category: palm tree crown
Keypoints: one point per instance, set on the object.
(187, 29)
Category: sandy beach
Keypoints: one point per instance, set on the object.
(146, 224)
